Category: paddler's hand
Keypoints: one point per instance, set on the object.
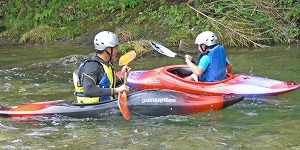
(122, 88)
(188, 58)
(125, 68)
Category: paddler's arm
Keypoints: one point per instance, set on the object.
(228, 66)
(198, 71)
(123, 87)
(120, 81)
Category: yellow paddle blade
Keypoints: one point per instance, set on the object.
(122, 103)
(122, 97)
(127, 58)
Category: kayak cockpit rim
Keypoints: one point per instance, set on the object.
(96, 103)
(89, 104)
(181, 71)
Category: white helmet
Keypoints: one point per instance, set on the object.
(106, 39)
(207, 37)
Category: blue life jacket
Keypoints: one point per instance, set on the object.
(105, 83)
(216, 69)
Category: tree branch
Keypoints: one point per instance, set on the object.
(241, 35)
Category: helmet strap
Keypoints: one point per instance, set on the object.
(203, 50)
(110, 54)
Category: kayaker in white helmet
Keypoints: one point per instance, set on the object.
(95, 80)
(212, 63)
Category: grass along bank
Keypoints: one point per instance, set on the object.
(237, 23)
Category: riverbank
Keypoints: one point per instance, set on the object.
(167, 21)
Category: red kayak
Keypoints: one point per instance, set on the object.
(144, 102)
(172, 77)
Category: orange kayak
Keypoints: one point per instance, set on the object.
(172, 77)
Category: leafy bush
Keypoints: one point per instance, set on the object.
(269, 21)
(22, 16)
(123, 48)
(265, 21)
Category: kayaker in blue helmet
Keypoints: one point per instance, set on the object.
(212, 62)
(95, 80)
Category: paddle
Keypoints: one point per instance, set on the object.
(165, 51)
(122, 96)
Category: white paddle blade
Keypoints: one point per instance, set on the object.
(163, 50)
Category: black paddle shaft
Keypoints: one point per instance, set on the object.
(182, 57)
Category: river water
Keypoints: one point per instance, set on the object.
(39, 73)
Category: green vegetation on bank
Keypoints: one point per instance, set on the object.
(236, 22)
